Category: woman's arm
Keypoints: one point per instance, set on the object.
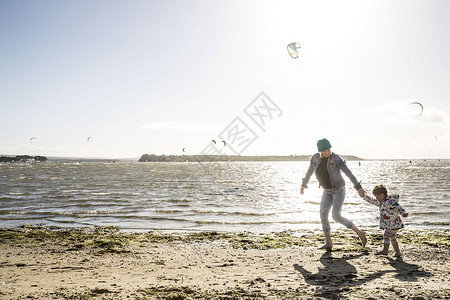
(343, 167)
(308, 174)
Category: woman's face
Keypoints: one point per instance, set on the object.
(325, 153)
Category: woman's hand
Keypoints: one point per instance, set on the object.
(361, 192)
(302, 190)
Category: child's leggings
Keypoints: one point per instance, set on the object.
(389, 235)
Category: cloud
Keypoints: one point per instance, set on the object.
(402, 111)
(180, 126)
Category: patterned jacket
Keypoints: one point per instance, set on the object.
(390, 211)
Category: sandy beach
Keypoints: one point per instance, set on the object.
(103, 263)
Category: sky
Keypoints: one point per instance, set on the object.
(158, 77)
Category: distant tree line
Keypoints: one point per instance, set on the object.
(209, 158)
(22, 158)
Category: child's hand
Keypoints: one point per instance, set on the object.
(405, 214)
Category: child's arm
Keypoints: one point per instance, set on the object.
(371, 200)
(401, 210)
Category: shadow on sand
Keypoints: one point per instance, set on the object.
(339, 276)
(406, 271)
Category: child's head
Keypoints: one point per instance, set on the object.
(380, 192)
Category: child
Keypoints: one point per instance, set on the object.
(390, 220)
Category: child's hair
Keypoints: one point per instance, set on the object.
(380, 189)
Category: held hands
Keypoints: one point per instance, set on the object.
(405, 214)
(361, 192)
(302, 190)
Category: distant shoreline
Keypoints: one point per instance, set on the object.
(211, 158)
(22, 159)
(5, 158)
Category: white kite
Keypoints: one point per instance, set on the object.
(292, 49)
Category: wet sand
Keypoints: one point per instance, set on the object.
(103, 263)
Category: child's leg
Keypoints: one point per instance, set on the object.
(395, 244)
(396, 248)
(386, 241)
(384, 251)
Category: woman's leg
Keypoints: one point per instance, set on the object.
(325, 207)
(338, 201)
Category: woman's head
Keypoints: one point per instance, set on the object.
(324, 146)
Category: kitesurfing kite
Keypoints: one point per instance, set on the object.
(292, 49)
(213, 141)
(421, 106)
(89, 138)
(31, 140)
(184, 149)
(224, 143)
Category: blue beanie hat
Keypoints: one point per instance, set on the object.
(323, 145)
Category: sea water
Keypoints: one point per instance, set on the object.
(259, 197)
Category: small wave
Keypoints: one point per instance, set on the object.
(65, 213)
(32, 213)
(188, 187)
(427, 213)
(169, 211)
(101, 194)
(437, 223)
(54, 178)
(312, 202)
(68, 191)
(102, 212)
(62, 221)
(181, 205)
(242, 213)
(257, 222)
(181, 202)
(21, 178)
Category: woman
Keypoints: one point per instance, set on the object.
(327, 167)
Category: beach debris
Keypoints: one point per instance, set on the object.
(421, 106)
(31, 140)
(292, 49)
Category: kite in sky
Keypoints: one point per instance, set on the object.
(89, 138)
(31, 140)
(421, 106)
(292, 49)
